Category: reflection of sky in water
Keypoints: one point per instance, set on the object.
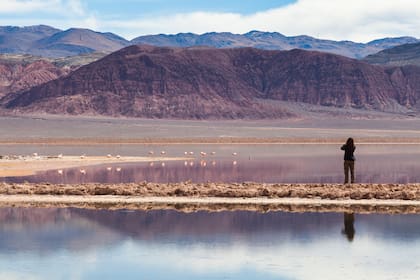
(259, 163)
(88, 244)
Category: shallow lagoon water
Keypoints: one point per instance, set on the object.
(164, 244)
(275, 163)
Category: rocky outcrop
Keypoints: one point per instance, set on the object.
(203, 83)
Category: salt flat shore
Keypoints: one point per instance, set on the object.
(187, 196)
(30, 165)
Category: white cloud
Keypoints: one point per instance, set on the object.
(69, 8)
(61, 14)
(356, 20)
(76, 7)
(19, 6)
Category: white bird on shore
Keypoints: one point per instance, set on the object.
(83, 156)
(118, 169)
(60, 171)
(60, 156)
(163, 164)
(118, 156)
(109, 168)
(162, 152)
(234, 154)
(151, 152)
(203, 154)
(191, 153)
(213, 153)
(185, 153)
(108, 155)
(82, 171)
(35, 154)
(234, 162)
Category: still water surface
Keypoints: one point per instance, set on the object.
(164, 244)
(288, 163)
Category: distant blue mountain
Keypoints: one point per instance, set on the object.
(273, 41)
(51, 42)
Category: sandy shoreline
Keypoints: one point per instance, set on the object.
(29, 166)
(365, 198)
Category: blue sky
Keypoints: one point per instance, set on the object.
(132, 8)
(356, 20)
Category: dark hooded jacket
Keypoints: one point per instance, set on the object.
(348, 152)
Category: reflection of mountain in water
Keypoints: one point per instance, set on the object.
(46, 230)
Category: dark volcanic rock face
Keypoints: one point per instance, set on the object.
(201, 83)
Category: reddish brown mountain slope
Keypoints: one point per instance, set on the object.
(18, 76)
(145, 81)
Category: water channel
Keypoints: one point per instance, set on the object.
(282, 163)
(165, 244)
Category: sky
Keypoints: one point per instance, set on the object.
(355, 20)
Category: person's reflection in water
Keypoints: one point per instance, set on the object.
(349, 226)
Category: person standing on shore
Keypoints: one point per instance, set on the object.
(349, 159)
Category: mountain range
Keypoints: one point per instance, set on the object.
(209, 83)
(250, 76)
(47, 41)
